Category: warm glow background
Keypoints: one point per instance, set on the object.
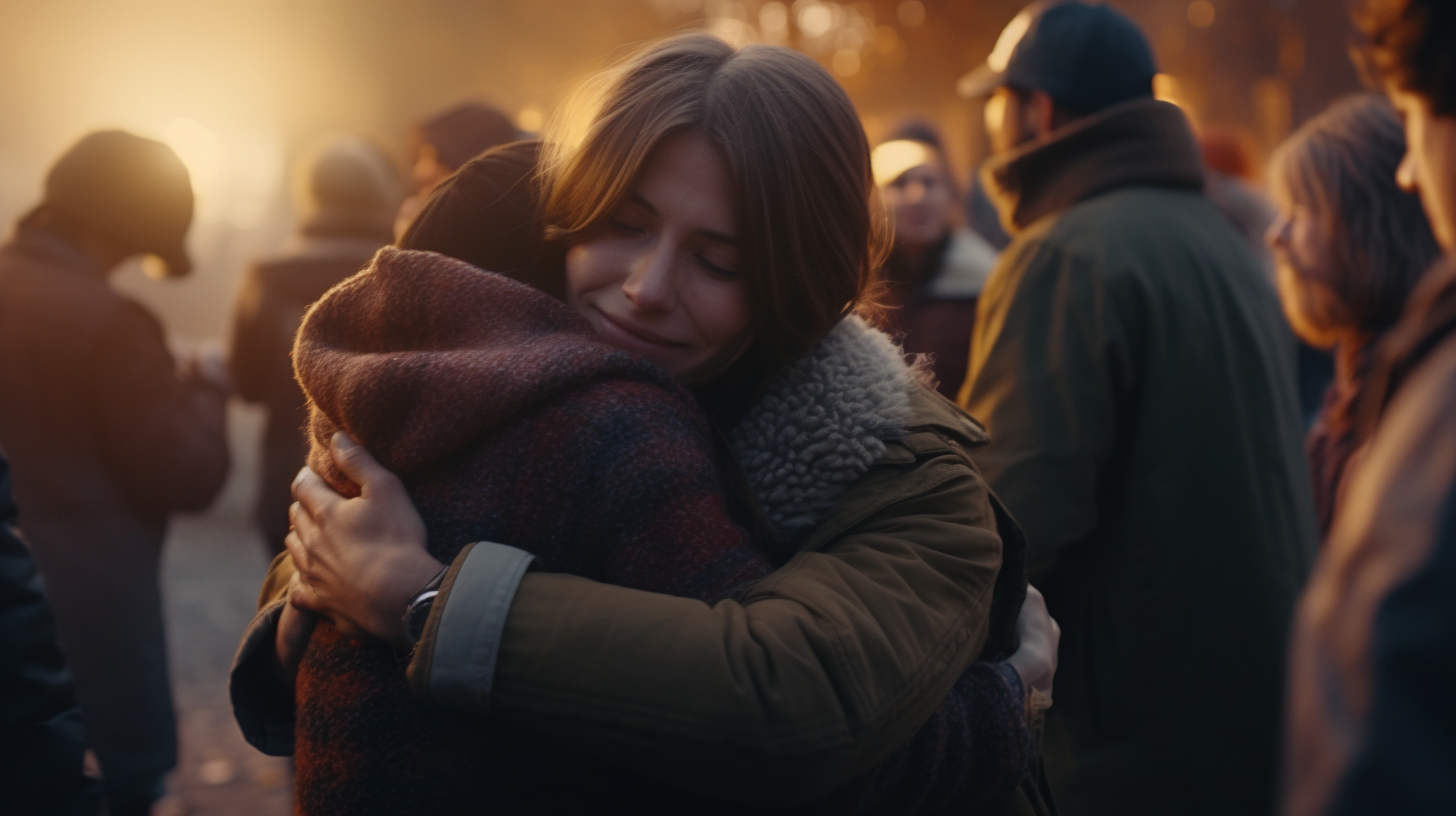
(240, 87)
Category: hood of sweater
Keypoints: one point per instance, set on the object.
(1143, 142)
(420, 355)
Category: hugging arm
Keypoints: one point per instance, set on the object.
(809, 679)
(813, 675)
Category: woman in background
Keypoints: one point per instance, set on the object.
(937, 267)
(1349, 245)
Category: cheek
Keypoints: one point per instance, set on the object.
(720, 311)
(590, 266)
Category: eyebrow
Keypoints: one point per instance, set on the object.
(712, 235)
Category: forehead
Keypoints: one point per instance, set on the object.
(685, 178)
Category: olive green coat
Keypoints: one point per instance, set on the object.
(1135, 375)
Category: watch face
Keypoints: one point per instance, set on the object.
(419, 613)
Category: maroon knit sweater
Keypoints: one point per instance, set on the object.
(507, 420)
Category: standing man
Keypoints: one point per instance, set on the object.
(105, 439)
(1372, 725)
(1134, 371)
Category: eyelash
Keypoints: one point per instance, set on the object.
(714, 269)
(707, 265)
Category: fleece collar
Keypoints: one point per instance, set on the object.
(822, 423)
(1142, 142)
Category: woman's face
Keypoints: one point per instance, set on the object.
(1301, 241)
(921, 200)
(662, 278)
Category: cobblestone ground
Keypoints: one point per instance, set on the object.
(212, 568)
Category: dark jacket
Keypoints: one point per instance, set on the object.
(104, 442)
(932, 309)
(1135, 375)
(270, 304)
(41, 744)
(1372, 720)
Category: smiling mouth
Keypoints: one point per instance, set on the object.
(641, 334)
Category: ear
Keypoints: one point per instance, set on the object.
(1041, 113)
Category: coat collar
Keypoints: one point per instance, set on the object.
(1141, 142)
(821, 423)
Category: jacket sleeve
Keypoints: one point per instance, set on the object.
(163, 437)
(41, 743)
(810, 678)
(1047, 363)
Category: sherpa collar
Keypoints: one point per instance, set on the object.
(822, 423)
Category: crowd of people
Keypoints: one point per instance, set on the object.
(698, 456)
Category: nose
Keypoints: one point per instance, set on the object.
(1405, 173)
(915, 192)
(650, 287)
(1278, 233)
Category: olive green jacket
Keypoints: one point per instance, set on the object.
(1136, 377)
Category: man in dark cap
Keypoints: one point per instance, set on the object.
(105, 438)
(1137, 379)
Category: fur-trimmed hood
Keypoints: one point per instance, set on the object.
(822, 423)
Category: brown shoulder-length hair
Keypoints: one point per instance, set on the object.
(1341, 165)
(811, 231)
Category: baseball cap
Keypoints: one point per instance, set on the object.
(1086, 57)
(134, 191)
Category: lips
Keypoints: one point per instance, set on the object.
(644, 336)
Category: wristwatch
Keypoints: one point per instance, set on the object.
(418, 610)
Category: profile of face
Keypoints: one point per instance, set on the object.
(1301, 240)
(661, 278)
(1429, 166)
(1013, 119)
(921, 200)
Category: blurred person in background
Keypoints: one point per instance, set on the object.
(1350, 246)
(347, 193)
(1372, 720)
(42, 747)
(936, 268)
(107, 435)
(1136, 378)
(442, 143)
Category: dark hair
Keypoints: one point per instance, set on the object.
(810, 233)
(1341, 165)
(488, 215)
(1411, 44)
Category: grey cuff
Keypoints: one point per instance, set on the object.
(471, 624)
(263, 708)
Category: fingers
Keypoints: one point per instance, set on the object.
(302, 596)
(357, 464)
(315, 494)
(296, 544)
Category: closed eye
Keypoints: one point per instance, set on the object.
(714, 269)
